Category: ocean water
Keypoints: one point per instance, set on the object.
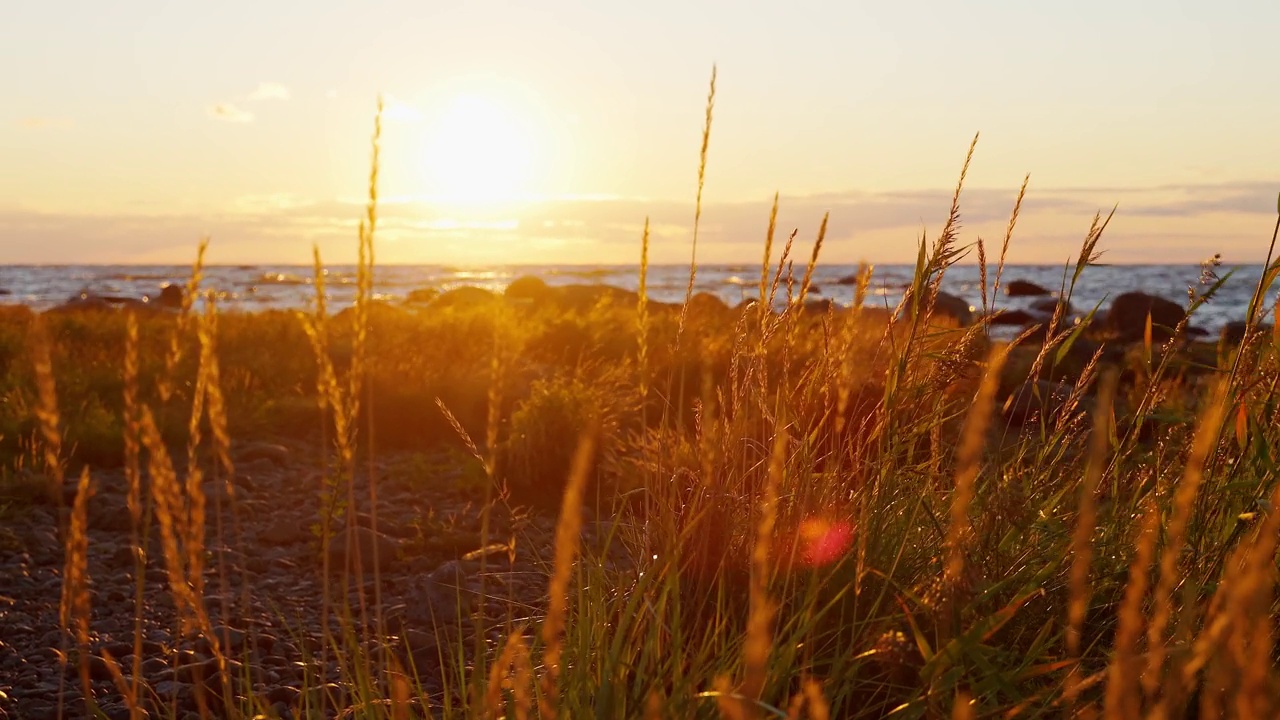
(257, 287)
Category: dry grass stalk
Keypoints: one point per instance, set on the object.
(768, 253)
(1240, 614)
(816, 700)
(1082, 537)
(133, 473)
(968, 462)
(1206, 439)
(522, 681)
(1008, 236)
(568, 542)
(73, 610)
(499, 670)
(653, 706)
(127, 689)
(193, 524)
(982, 280)
(783, 262)
(133, 476)
(807, 282)
(170, 511)
(795, 706)
(697, 210)
(462, 432)
(642, 318)
(759, 640)
(943, 251)
(47, 409)
(1124, 694)
(400, 691)
(731, 706)
(164, 385)
(962, 708)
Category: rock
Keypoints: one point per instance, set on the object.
(1023, 288)
(821, 306)
(229, 639)
(90, 301)
(704, 305)
(528, 288)
(1012, 317)
(949, 305)
(172, 297)
(584, 298)
(1127, 316)
(1233, 333)
(120, 711)
(421, 296)
(463, 297)
(1048, 306)
(367, 543)
(281, 533)
(271, 452)
(283, 694)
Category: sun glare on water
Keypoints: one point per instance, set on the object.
(479, 150)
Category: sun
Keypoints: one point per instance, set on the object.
(479, 150)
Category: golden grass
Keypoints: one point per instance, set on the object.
(568, 543)
(837, 430)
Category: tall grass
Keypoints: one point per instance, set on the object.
(821, 514)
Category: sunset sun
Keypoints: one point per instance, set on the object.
(479, 149)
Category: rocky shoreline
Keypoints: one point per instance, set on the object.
(264, 591)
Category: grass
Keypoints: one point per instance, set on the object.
(825, 514)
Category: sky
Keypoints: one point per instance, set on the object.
(547, 132)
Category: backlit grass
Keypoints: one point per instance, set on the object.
(824, 513)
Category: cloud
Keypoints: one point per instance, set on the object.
(1181, 224)
(228, 112)
(269, 91)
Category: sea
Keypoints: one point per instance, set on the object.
(250, 288)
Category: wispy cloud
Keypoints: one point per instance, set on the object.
(1165, 224)
(269, 91)
(228, 112)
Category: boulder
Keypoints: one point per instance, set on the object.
(271, 452)
(1023, 288)
(1012, 317)
(421, 296)
(90, 301)
(463, 297)
(171, 297)
(364, 541)
(583, 298)
(529, 288)
(821, 306)
(1127, 316)
(1233, 333)
(706, 305)
(1048, 306)
(957, 308)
